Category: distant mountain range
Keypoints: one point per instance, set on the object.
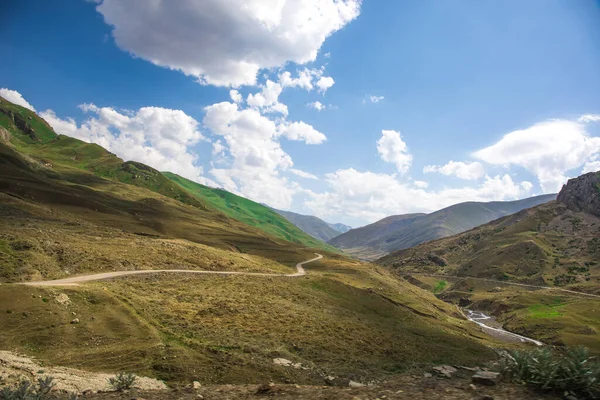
(314, 226)
(399, 232)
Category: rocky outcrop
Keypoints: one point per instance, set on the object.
(582, 194)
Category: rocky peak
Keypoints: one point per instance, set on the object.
(582, 194)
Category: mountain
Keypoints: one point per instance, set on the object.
(553, 245)
(69, 208)
(403, 231)
(250, 212)
(312, 225)
(341, 228)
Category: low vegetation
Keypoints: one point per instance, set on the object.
(565, 371)
(28, 390)
(122, 381)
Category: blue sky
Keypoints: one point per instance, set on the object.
(424, 103)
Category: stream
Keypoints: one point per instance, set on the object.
(480, 319)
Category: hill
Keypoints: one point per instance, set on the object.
(404, 231)
(65, 210)
(312, 225)
(33, 137)
(553, 245)
(249, 212)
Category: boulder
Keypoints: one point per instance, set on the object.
(445, 370)
(487, 378)
(355, 384)
(75, 321)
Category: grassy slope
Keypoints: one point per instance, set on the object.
(393, 234)
(346, 318)
(544, 245)
(249, 212)
(65, 154)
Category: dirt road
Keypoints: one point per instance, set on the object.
(76, 280)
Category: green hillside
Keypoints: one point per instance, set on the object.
(248, 212)
(32, 136)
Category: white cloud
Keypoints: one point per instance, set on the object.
(304, 80)
(324, 83)
(225, 43)
(421, 184)
(256, 156)
(373, 99)
(591, 166)
(368, 196)
(392, 149)
(236, 96)
(15, 97)
(327, 55)
(155, 136)
(267, 100)
(469, 171)
(317, 105)
(589, 118)
(547, 149)
(302, 131)
(303, 174)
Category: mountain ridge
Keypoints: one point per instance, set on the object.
(406, 230)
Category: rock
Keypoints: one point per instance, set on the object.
(75, 321)
(265, 388)
(62, 299)
(427, 375)
(582, 194)
(200, 397)
(472, 387)
(283, 362)
(486, 378)
(353, 384)
(196, 385)
(445, 370)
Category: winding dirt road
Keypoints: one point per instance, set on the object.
(76, 280)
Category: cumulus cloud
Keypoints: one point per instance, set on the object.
(421, 184)
(548, 149)
(317, 105)
(267, 100)
(392, 149)
(589, 118)
(256, 156)
(236, 96)
(225, 43)
(369, 196)
(468, 171)
(155, 136)
(15, 97)
(591, 166)
(324, 83)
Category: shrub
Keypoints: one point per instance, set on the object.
(122, 381)
(573, 370)
(26, 390)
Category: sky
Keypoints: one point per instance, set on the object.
(344, 109)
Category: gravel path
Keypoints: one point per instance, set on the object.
(76, 280)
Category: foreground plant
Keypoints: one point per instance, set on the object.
(26, 390)
(122, 381)
(573, 371)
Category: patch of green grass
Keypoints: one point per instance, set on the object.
(440, 286)
(249, 212)
(544, 311)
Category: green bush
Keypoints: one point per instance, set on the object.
(26, 390)
(122, 381)
(572, 371)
